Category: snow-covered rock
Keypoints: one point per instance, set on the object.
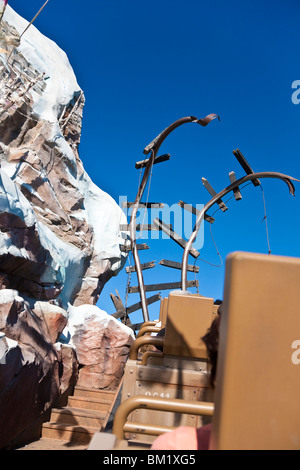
(33, 372)
(59, 239)
(43, 183)
(102, 345)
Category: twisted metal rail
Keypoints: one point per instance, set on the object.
(254, 176)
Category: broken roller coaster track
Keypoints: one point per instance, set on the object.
(153, 149)
(217, 198)
(251, 177)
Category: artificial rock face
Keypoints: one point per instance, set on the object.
(102, 345)
(61, 230)
(34, 371)
(59, 233)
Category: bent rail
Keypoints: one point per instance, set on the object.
(254, 176)
(153, 148)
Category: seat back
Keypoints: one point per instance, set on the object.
(257, 402)
(188, 319)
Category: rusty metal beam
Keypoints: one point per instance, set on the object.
(245, 165)
(173, 264)
(236, 191)
(127, 248)
(164, 286)
(125, 311)
(195, 211)
(160, 159)
(213, 193)
(174, 236)
(144, 266)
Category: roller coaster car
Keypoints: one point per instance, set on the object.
(180, 370)
(257, 402)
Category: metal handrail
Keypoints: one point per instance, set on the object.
(156, 404)
(148, 329)
(148, 354)
(287, 179)
(144, 341)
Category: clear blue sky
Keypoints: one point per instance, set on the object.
(143, 65)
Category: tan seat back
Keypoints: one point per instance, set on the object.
(257, 403)
(188, 319)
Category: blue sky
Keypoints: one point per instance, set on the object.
(143, 65)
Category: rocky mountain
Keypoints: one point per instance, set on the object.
(59, 237)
